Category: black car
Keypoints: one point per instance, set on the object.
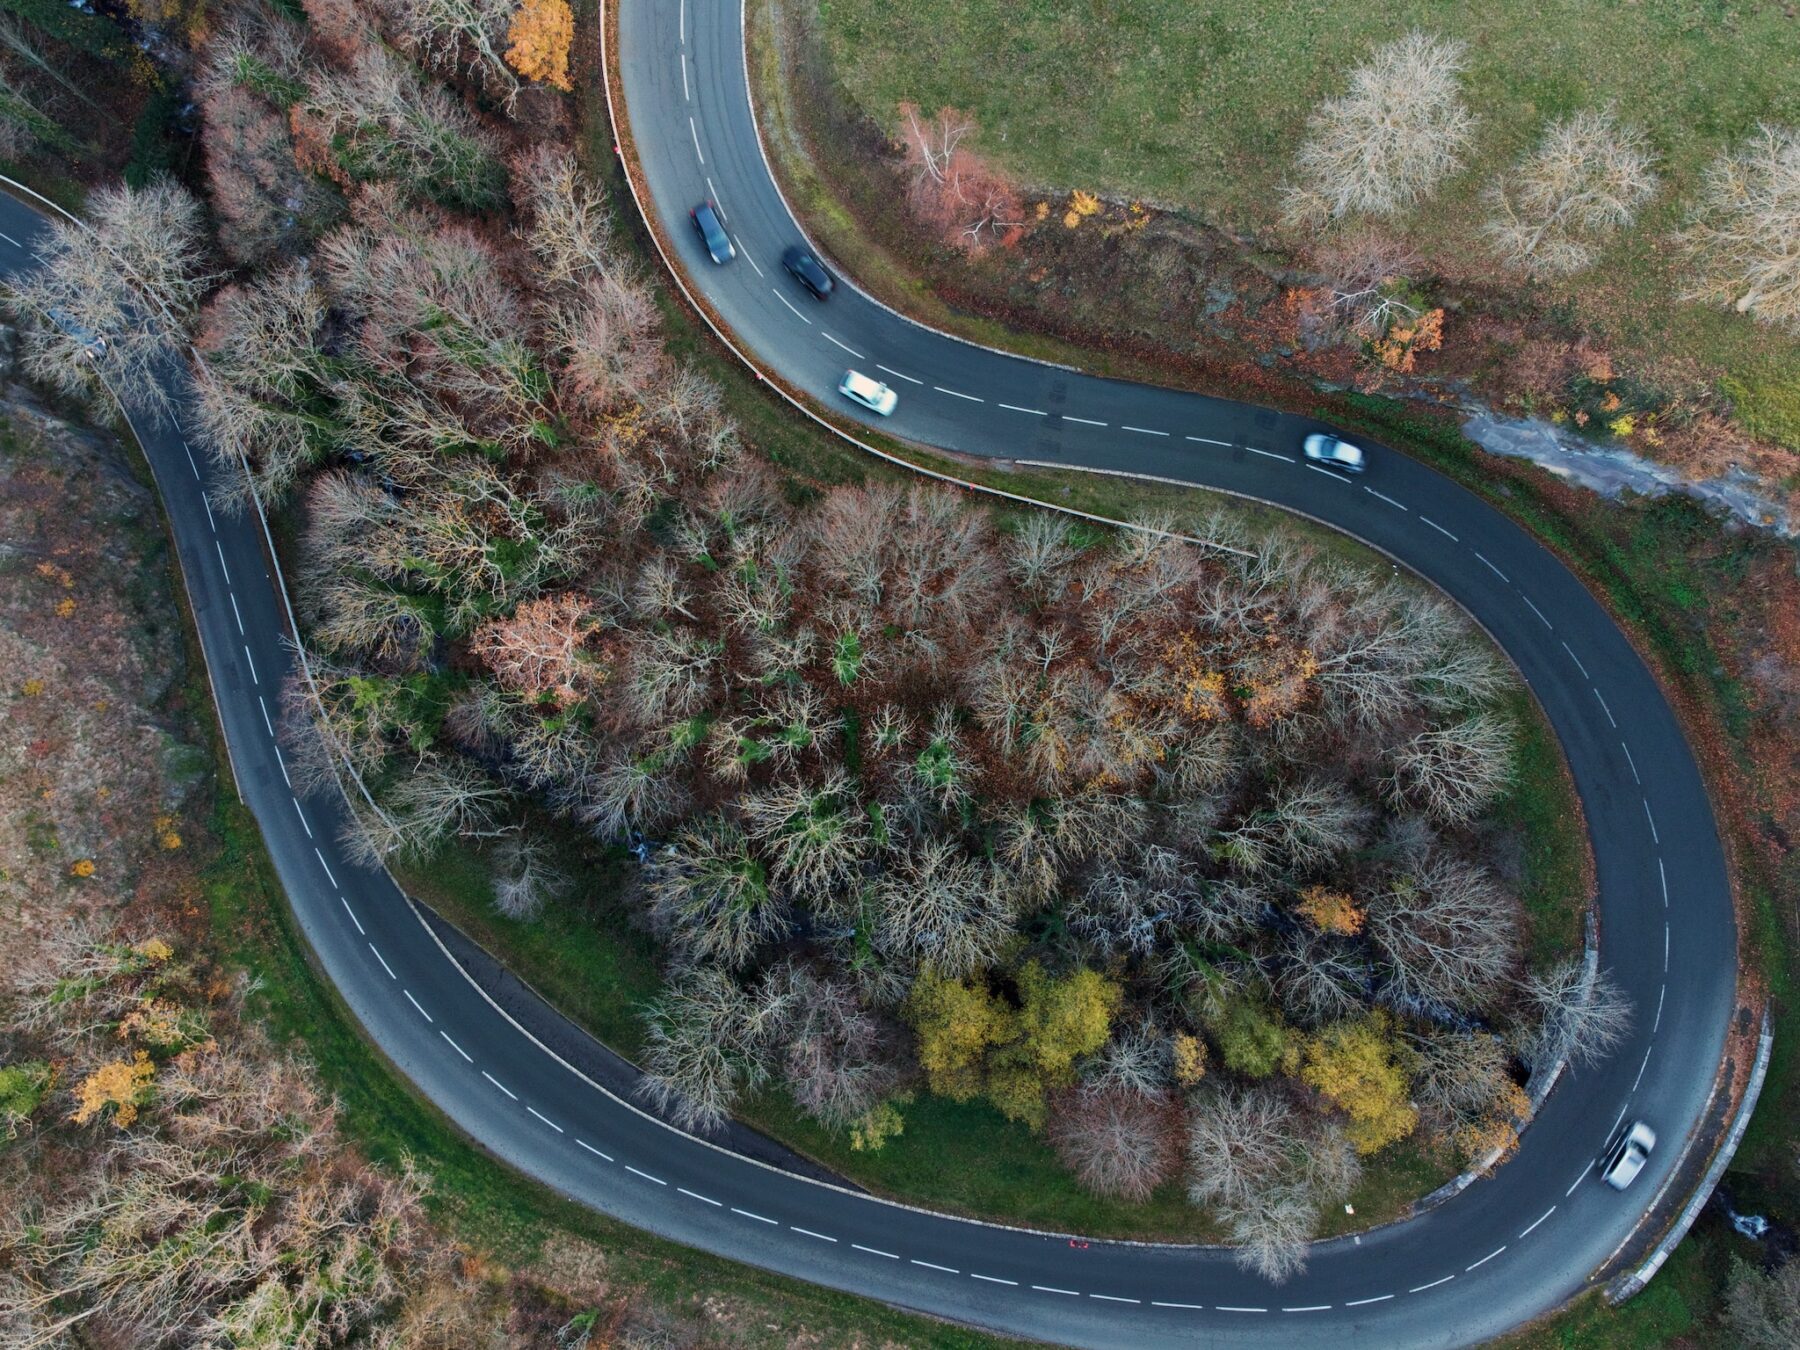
(712, 233)
(807, 270)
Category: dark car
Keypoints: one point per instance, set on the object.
(808, 271)
(712, 233)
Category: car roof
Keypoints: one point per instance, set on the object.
(708, 213)
(862, 384)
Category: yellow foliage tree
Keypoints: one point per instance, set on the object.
(1189, 1055)
(539, 39)
(956, 1024)
(1331, 911)
(1059, 1021)
(123, 1084)
(1358, 1067)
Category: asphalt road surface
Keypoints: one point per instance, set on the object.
(1503, 1251)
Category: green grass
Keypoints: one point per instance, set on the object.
(1554, 887)
(1200, 109)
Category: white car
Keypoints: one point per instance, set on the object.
(1622, 1163)
(1323, 449)
(872, 394)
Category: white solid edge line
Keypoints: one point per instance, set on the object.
(834, 342)
(591, 1149)
(790, 304)
(875, 1251)
(454, 1046)
(1361, 1302)
(956, 394)
(546, 1119)
(1013, 407)
(807, 1232)
(1052, 1289)
(1484, 1260)
(760, 1218)
(897, 375)
(502, 1086)
(415, 1002)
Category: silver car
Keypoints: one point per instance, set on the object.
(1339, 454)
(872, 394)
(1625, 1159)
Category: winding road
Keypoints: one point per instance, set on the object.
(1506, 1249)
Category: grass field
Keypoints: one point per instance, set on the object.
(1200, 109)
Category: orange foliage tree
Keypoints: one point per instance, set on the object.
(539, 39)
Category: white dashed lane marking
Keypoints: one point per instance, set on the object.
(645, 1175)
(302, 815)
(1143, 431)
(1207, 440)
(1270, 454)
(696, 131)
(993, 1279)
(834, 342)
(897, 375)
(1013, 407)
(1661, 994)
(459, 1050)
(1490, 567)
(1484, 1260)
(1364, 1302)
(875, 1251)
(790, 304)
(502, 1086)
(1336, 478)
(9, 239)
(703, 1199)
(686, 97)
(327, 866)
(606, 1157)
(1310, 1307)
(1384, 497)
(747, 257)
(415, 1002)
(222, 567)
(713, 195)
(1114, 1298)
(1227, 1307)
(1540, 613)
(955, 394)
(1440, 529)
(1052, 1289)
(1421, 1288)
(1606, 710)
(1085, 421)
(267, 724)
(252, 660)
(807, 1232)
(1654, 837)
(1632, 762)
(932, 1265)
(384, 965)
(353, 919)
(1191, 1307)
(1573, 1184)
(758, 1217)
(1577, 660)
(1663, 874)
(546, 1119)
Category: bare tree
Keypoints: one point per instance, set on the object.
(1447, 932)
(706, 1040)
(1588, 177)
(710, 897)
(109, 309)
(526, 878)
(1454, 772)
(570, 226)
(1119, 1143)
(1316, 820)
(936, 907)
(835, 1058)
(445, 33)
(1039, 555)
(1581, 1016)
(1762, 1307)
(1744, 237)
(1389, 141)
